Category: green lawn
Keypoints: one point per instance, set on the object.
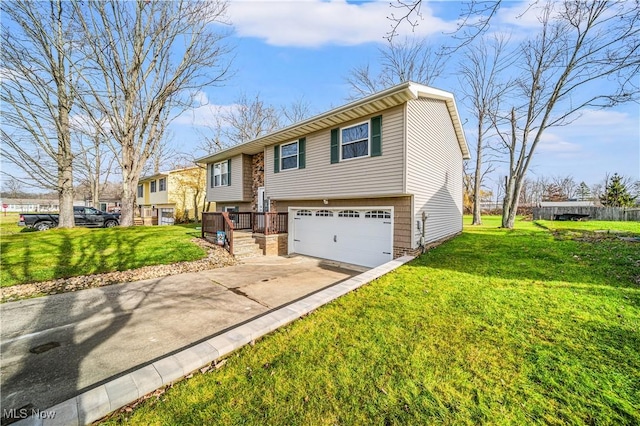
(60, 253)
(496, 326)
(9, 224)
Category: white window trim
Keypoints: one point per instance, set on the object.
(368, 123)
(297, 156)
(140, 190)
(153, 186)
(160, 189)
(214, 174)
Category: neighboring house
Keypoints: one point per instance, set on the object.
(176, 194)
(363, 183)
(30, 205)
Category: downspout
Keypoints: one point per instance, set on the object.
(422, 244)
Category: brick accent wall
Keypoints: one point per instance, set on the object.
(257, 178)
(273, 245)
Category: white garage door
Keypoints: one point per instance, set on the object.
(352, 235)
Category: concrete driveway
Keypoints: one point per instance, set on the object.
(55, 347)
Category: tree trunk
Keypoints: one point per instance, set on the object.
(195, 206)
(129, 198)
(477, 185)
(511, 201)
(66, 218)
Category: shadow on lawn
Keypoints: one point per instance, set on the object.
(72, 252)
(538, 256)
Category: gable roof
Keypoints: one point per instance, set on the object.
(372, 104)
(164, 174)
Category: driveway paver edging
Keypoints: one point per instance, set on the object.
(98, 402)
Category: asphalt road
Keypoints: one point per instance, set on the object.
(54, 347)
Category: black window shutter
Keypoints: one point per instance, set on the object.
(228, 172)
(276, 159)
(376, 136)
(302, 145)
(212, 177)
(334, 146)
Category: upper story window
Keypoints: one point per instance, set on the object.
(221, 174)
(153, 186)
(289, 156)
(354, 141)
(163, 184)
(140, 191)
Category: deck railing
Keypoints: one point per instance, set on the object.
(270, 223)
(220, 225)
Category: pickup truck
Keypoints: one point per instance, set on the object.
(84, 216)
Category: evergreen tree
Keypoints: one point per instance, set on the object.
(584, 193)
(616, 193)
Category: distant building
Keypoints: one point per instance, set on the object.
(29, 205)
(569, 203)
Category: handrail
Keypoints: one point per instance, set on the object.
(228, 231)
(267, 223)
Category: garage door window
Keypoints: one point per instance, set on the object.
(348, 213)
(304, 213)
(324, 213)
(377, 214)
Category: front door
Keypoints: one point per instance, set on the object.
(261, 200)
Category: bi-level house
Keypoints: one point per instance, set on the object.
(362, 183)
(166, 196)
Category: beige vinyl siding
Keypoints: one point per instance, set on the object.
(233, 192)
(434, 169)
(360, 177)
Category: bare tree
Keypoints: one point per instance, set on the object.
(38, 94)
(296, 111)
(400, 61)
(568, 187)
(579, 45)
(481, 68)
(94, 160)
(251, 118)
(12, 188)
(474, 18)
(148, 59)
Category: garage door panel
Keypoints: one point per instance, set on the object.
(345, 235)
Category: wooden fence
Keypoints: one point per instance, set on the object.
(621, 214)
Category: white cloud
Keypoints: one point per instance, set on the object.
(550, 142)
(524, 15)
(601, 118)
(203, 114)
(314, 23)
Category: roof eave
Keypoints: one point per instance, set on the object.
(377, 102)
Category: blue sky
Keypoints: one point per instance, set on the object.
(285, 50)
